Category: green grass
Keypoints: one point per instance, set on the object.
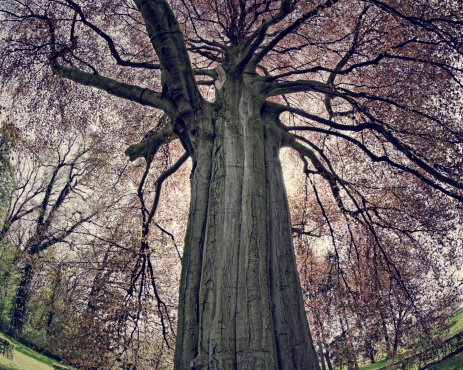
(25, 358)
(456, 323)
(453, 363)
(376, 365)
(6, 364)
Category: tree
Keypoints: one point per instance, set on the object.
(369, 308)
(9, 136)
(347, 290)
(366, 92)
(42, 215)
(94, 265)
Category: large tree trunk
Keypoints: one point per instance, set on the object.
(240, 297)
(240, 304)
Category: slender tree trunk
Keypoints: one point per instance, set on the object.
(56, 287)
(4, 301)
(398, 325)
(349, 348)
(21, 300)
(371, 354)
(325, 345)
(396, 344)
(386, 338)
(240, 297)
(327, 358)
(320, 354)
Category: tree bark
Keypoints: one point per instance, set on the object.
(320, 354)
(386, 337)
(371, 354)
(240, 296)
(327, 358)
(240, 299)
(21, 300)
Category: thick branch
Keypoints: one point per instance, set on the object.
(167, 40)
(374, 61)
(122, 90)
(383, 158)
(148, 148)
(428, 24)
(64, 234)
(65, 190)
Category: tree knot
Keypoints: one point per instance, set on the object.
(221, 77)
(199, 362)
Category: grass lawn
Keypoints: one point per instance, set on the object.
(6, 364)
(376, 365)
(456, 323)
(25, 358)
(453, 363)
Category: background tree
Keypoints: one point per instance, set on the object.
(9, 136)
(55, 200)
(41, 208)
(360, 293)
(94, 265)
(366, 93)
